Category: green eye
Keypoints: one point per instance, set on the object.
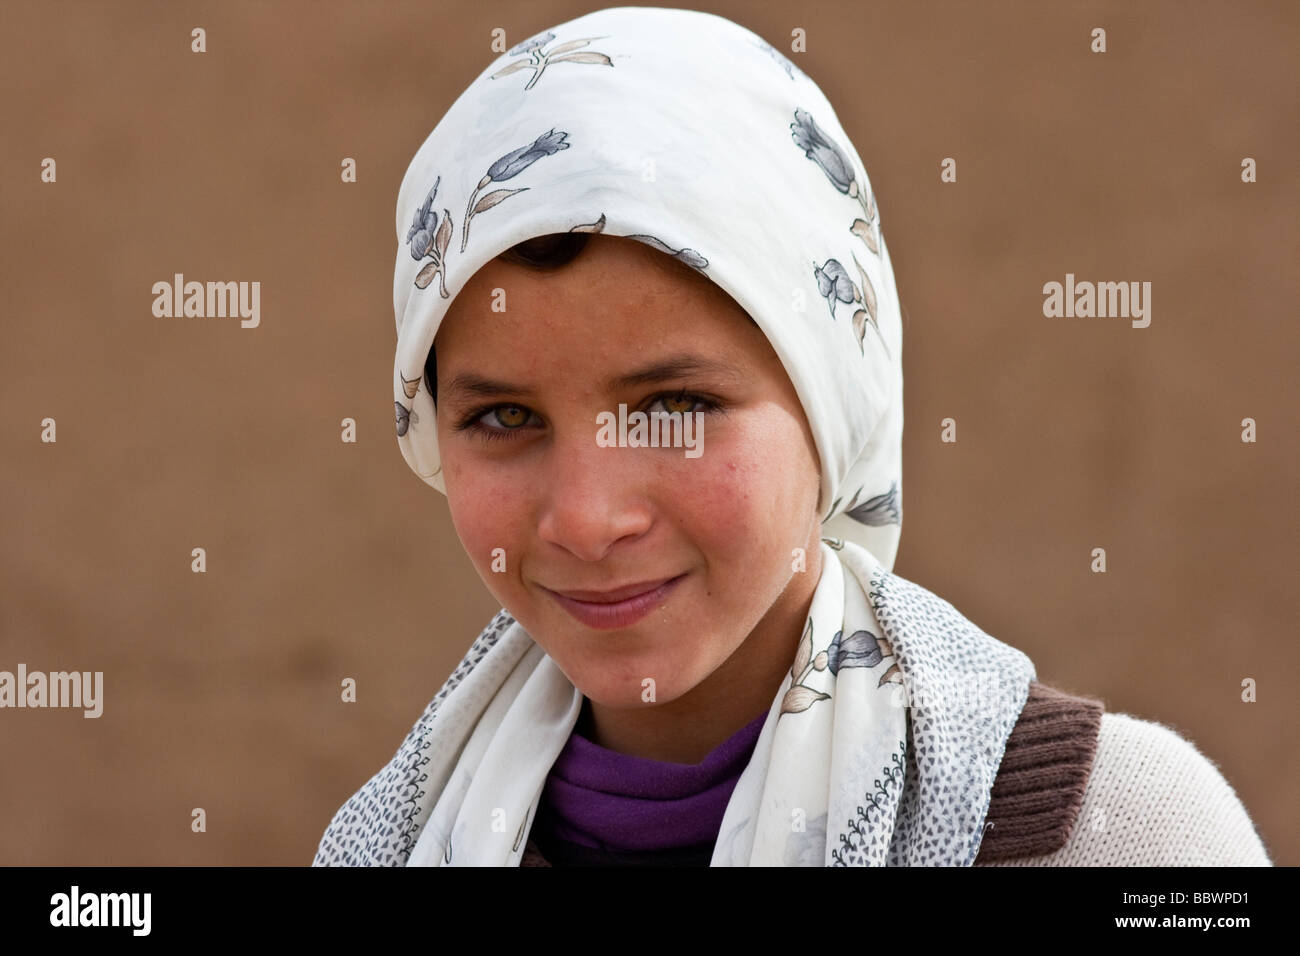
(511, 416)
(683, 403)
(689, 403)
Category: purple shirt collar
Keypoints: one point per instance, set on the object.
(599, 798)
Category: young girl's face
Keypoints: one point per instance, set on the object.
(519, 392)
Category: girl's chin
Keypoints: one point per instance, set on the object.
(621, 683)
(629, 697)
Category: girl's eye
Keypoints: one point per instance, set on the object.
(508, 418)
(502, 421)
(683, 403)
(511, 416)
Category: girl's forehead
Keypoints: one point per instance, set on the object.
(628, 306)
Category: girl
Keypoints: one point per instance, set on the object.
(705, 658)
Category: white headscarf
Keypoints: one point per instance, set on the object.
(688, 132)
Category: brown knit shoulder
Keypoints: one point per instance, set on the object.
(1040, 783)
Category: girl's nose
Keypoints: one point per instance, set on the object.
(593, 497)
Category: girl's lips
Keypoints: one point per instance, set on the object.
(616, 614)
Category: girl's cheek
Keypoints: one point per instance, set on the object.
(717, 494)
(747, 496)
(483, 516)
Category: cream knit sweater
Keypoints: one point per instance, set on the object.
(1153, 799)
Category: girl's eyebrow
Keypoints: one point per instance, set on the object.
(675, 366)
(467, 384)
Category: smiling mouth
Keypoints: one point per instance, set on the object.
(617, 594)
(618, 608)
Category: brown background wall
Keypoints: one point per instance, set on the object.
(222, 689)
